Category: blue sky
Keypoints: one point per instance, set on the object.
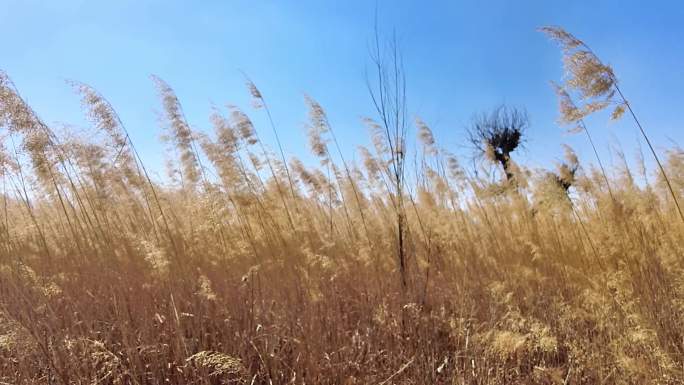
(461, 57)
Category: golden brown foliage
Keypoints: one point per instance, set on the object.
(107, 277)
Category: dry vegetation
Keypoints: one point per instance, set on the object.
(247, 269)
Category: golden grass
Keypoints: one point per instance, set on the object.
(247, 270)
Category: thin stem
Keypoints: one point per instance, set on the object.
(603, 170)
(650, 147)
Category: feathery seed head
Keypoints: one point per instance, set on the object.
(244, 125)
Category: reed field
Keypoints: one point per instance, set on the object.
(246, 266)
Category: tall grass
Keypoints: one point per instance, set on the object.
(252, 268)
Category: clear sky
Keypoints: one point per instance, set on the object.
(461, 57)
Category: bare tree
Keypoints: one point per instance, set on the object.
(497, 134)
(387, 88)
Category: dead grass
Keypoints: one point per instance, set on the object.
(247, 270)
